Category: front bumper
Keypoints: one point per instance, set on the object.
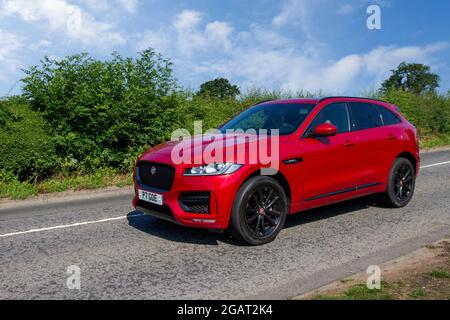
(221, 189)
(155, 213)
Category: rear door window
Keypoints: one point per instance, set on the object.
(364, 116)
(387, 116)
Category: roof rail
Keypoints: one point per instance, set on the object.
(263, 101)
(346, 97)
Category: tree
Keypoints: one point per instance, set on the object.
(411, 77)
(219, 88)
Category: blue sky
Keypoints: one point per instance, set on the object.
(291, 44)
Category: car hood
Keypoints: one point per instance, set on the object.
(201, 145)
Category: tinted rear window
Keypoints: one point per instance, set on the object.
(387, 116)
(364, 116)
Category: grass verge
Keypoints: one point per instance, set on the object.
(425, 277)
(434, 141)
(14, 189)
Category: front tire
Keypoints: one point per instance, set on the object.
(259, 211)
(401, 184)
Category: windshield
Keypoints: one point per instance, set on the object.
(284, 117)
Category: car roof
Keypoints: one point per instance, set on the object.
(319, 100)
(291, 101)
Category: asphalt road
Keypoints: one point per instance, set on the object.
(125, 255)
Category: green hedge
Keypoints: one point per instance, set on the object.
(101, 113)
(26, 149)
(430, 113)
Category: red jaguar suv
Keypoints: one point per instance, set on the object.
(325, 151)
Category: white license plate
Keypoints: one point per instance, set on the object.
(150, 197)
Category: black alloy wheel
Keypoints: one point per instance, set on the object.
(259, 211)
(401, 184)
(263, 212)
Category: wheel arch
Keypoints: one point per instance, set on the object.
(279, 177)
(409, 156)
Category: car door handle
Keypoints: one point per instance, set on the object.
(293, 160)
(349, 143)
(391, 137)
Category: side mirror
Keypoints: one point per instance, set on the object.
(325, 130)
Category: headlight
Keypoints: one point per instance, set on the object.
(213, 169)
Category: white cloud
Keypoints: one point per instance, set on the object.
(303, 17)
(384, 58)
(62, 16)
(292, 11)
(346, 9)
(187, 20)
(158, 40)
(265, 56)
(186, 27)
(40, 45)
(129, 5)
(293, 70)
(10, 47)
(97, 5)
(351, 73)
(188, 35)
(9, 43)
(219, 33)
(110, 5)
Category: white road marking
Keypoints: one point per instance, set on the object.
(435, 165)
(124, 217)
(66, 226)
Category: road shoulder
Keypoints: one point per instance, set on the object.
(421, 274)
(66, 198)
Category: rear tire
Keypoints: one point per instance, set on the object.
(259, 211)
(401, 184)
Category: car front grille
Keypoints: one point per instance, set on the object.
(156, 175)
(195, 202)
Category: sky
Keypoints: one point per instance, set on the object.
(312, 45)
